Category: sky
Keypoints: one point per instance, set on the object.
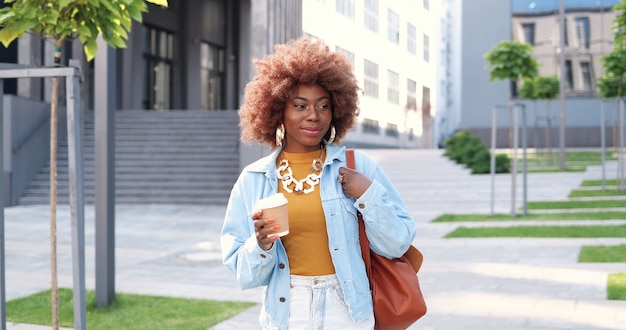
(549, 5)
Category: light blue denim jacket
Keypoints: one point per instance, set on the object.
(389, 227)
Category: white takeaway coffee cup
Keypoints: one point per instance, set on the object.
(275, 207)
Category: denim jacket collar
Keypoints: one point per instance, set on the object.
(267, 164)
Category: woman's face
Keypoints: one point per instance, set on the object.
(307, 117)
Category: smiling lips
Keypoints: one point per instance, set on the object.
(312, 131)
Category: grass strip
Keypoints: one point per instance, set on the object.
(545, 205)
(616, 286)
(128, 311)
(532, 216)
(603, 253)
(594, 183)
(596, 193)
(577, 161)
(540, 231)
(555, 169)
(592, 157)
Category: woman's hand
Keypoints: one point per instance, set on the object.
(354, 183)
(263, 227)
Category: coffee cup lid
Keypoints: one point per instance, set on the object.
(275, 200)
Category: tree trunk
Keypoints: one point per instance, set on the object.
(54, 105)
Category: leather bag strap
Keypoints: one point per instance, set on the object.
(350, 159)
(365, 244)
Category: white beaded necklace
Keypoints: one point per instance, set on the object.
(285, 174)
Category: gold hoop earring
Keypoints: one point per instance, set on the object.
(280, 135)
(333, 132)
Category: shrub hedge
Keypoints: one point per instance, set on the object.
(469, 150)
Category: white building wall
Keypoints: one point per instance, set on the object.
(321, 20)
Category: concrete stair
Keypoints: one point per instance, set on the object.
(174, 157)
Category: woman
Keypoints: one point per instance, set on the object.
(301, 102)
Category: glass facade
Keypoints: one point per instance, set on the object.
(393, 27)
(212, 69)
(345, 8)
(587, 36)
(159, 59)
(371, 79)
(370, 15)
(411, 37)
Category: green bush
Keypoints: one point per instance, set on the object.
(503, 164)
(469, 150)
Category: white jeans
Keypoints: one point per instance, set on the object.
(317, 303)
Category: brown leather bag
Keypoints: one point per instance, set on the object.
(396, 293)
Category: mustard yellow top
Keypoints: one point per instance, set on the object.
(307, 241)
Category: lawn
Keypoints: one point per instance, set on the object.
(603, 253)
(531, 216)
(545, 205)
(596, 193)
(575, 161)
(598, 183)
(540, 231)
(616, 288)
(128, 311)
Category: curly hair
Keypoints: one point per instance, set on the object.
(300, 61)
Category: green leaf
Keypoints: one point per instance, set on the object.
(52, 17)
(24, 25)
(108, 5)
(134, 13)
(83, 31)
(63, 3)
(7, 35)
(5, 14)
(162, 3)
(91, 48)
(114, 40)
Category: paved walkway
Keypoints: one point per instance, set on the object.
(498, 283)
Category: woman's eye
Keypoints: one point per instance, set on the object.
(322, 107)
(300, 106)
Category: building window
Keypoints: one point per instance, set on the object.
(211, 76)
(529, 33)
(391, 130)
(371, 15)
(393, 87)
(371, 79)
(585, 71)
(426, 102)
(582, 32)
(426, 4)
(345, 8)
(565, 37)
(393, 27)
(411, 38)
(426, 49)
(370, 126)
(411, 94)
(569, 75)
(159, 60)
(349, 55)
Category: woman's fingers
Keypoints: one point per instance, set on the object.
(263, 228)
(353, 183)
